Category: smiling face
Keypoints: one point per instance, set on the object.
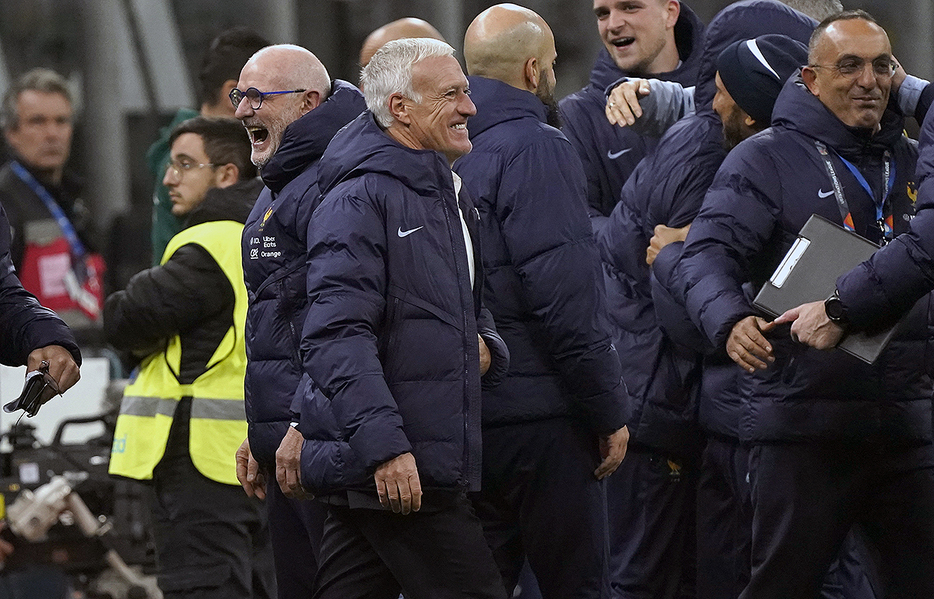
(860, 100)
(439, 121)
(41, 137)
(267, 124)
(639, 34)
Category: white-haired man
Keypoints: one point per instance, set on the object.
(391, 340)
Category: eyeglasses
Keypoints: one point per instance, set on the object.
(40, 387)
(179, 168)
(255, 96)
(851, 68)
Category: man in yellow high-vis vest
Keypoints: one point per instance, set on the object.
(182, 418)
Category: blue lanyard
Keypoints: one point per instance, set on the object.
(68, 230)
(888, 179)
(888, 176)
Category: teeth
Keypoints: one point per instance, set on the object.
(460, 126)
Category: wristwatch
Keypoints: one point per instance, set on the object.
(835, 310)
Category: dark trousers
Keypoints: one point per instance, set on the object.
(437, 553)
(807, 497)
(295, 529)
(724, 533)
(540, 500)
(212, 541)
(724, 521)
(651, 500)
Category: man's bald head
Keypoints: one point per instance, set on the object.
(502, 40)
(303, 83)
(287, 66)
(409, 27)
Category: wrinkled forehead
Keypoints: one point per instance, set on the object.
(437, 74)
(266, 72)
(852, 38)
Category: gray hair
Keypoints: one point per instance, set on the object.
(390, 72)
(40, 80)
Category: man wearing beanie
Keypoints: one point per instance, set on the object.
(833, 441)
(651, 497)
(750, 74)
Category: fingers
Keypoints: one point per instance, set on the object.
(62, 366)
(747, 347)
(243, 458)
(398, 486)
(607, 467)
(789, 316)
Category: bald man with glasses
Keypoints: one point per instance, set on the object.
(833, 441)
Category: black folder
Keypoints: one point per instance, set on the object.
(809, 272)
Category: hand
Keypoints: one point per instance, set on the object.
(485, 358)
(747, 345)
(62, 365)
(612, 450)
(289, 465)
(397, 484)
(248, 472)
(622, 106)
(811, 326)
(899, 76)
(663, 236)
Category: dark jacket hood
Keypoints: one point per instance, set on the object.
(798, 109)
(226, 203)
(689, 38)
(305, 140)
(498, 102)
(742, 21)
(363, 147)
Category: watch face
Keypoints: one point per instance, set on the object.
(834, 308)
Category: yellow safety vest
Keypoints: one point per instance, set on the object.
(218, 420)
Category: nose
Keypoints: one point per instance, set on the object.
(169, 179)
(467, 107)
(616, 20)
(244, 110)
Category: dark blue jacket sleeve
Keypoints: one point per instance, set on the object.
(570, 305)
(499, 353)
(738, 217)
(347, 298)
(25, 325)
(902, 272)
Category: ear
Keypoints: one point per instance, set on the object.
(226, 175)
(310, 100)
(674, 11)
(809, 76)
(530, 74)
(750, 122)
(399, 109)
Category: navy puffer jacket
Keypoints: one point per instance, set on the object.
(763, 194)
(390, 337)
(25, 325)
(542, 268)
(274, 268)
(668, 188)
(610, 153)
(903, 271)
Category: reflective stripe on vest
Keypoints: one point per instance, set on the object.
(218, 421)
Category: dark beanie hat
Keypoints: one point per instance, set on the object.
(754, 71)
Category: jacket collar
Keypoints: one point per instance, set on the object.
(498, 102)
(363, 147)
(798, 109)
(305, 139)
